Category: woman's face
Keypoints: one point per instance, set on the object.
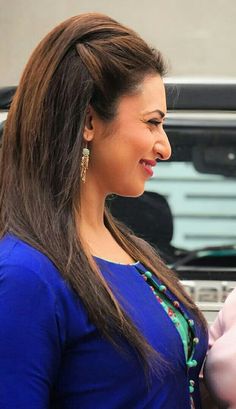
(125, 150)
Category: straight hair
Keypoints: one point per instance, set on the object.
(89, 59)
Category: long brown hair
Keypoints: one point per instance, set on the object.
(88, 59)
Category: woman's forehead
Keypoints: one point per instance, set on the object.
(149, 98)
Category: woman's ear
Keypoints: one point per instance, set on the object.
(89, 125)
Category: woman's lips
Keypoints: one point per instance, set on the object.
(147, 165)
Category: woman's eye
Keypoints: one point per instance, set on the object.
(154, 122)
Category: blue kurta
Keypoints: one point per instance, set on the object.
(52, 356)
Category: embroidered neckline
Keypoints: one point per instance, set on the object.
(160, 292)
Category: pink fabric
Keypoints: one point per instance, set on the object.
(220, 367)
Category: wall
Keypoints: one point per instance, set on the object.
(197, 37)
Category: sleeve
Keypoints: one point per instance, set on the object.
(220, 367)
(30, 347)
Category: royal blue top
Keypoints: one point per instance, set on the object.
(52, 356)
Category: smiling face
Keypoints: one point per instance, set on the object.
(124, 151)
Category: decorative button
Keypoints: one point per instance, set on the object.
(148, 274)
(191, 385)
(175, 320)
(176, 304)
(191, 323)
(192, 363)
(196, 340)
(162, 288)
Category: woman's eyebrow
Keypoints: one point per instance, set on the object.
(156, 111)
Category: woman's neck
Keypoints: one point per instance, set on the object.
(91, 209)
(92, 230)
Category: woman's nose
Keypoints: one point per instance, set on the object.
(162, 147)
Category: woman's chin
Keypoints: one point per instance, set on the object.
(131, 192)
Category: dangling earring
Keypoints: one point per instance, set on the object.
(84, 163)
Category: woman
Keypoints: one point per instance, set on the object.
(220, 367)
(90, 316)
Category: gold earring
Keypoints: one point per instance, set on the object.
(84, 163)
